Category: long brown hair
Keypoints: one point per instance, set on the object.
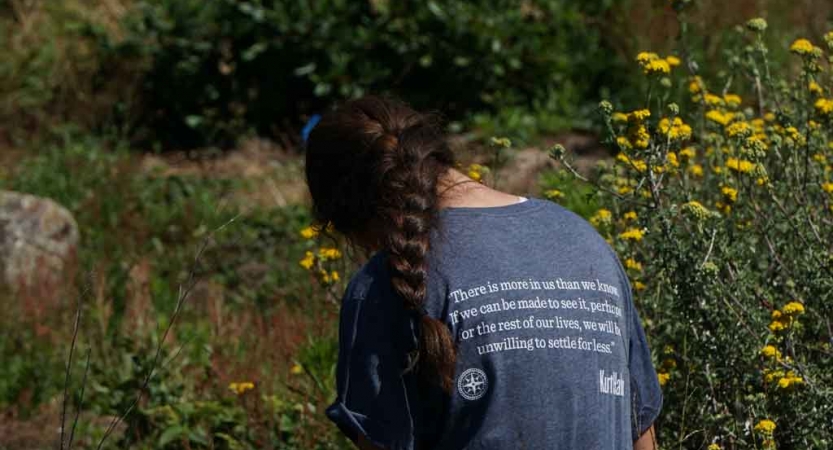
(372, 167)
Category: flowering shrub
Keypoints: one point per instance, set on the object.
(721, 211)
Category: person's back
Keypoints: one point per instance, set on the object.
(544, 326)
(544, 346)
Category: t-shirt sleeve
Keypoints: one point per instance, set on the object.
(372, 395)
(646, 394)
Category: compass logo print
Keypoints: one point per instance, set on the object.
(472, 384)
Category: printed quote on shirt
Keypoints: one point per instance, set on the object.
(553, 318)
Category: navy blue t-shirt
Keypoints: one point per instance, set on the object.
(550, 350)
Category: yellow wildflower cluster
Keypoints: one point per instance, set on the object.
(713, 447)
(739, 129)
(824, 106)
(790, 380)
(653, 64)
(309, 233)
(740, 165)
(770, 352)
(476, 172)
(802, 47)
(667, 366)
(240, 387)
(635, 164)
(815, 88)
(633, 264)
(784, 318)
(732, 100)
(720, 117)
(312, 260)
(553, 194)
(296, 369)
(630, 215)
(806, 49)
(827, 187)
(602, 217)
(676, 130)
(632, 234)
(765, 426)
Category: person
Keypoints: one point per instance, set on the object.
(482, 320)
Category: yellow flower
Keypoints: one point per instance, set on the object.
(633, 264)
(676, 130)
(308, 261)
(696, 170)
(771, 352)
(657, 67)
(296, 369)
(619, 117)
(602, 217)
(329, 253)
(636, 164)
(714, 100)
(624, 143)
(639, 286)
(688, 153)
(335, 276)
(476, 172)
(828, 187)
(640, 115)
(672, 60)
(789, 381)
(771, 375)
(624, 190)
(663, 378)
(802, 47)
(309, 233)
(669, 363)
(713, 447)
(765, 426)
(740, 165)
(640, 137)
(553, 194)
(776, 326)
(630, 215)
(769, 117)
(732, 100)
(742, 129)
(646, 57)
(634, 234)
(793, 309)
(824, 106)
(776, 314)
(695, 85)
(241, 387)
(719, 117)
(815, 88)
(730, 193)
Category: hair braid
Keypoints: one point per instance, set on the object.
(393, 177)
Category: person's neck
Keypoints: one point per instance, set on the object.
(457, 190)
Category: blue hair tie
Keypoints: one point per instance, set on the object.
(311, 123)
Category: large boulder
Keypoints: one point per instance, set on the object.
(38, 245)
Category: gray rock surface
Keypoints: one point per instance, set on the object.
(38, 243)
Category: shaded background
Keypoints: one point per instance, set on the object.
(152, 123)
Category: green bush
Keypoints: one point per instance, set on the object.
(721, 211)
(222, 68)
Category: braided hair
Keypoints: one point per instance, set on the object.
(373, 166)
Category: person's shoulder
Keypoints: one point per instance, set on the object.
(559, 215)
(370, 279)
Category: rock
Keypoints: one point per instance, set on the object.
(38, 245)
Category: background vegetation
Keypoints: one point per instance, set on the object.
(172, 129)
